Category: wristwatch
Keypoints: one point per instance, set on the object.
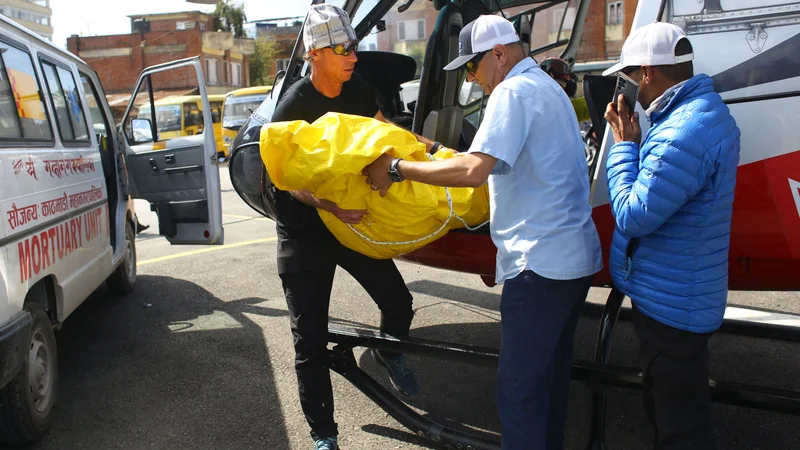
(394, 174)
(435, 147)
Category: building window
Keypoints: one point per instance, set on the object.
(236, 74)
(28, 16)
(367, 46)
(615, 16)
(411, 30)
(282, 64)
(211, 71)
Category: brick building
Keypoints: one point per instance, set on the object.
(158, 38)
(408, 32)
(608, 23)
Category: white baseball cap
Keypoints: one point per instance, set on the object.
(326, 26)
(480, 35)
(651, 45)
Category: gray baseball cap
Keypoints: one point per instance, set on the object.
(480, 35)
(326, 26)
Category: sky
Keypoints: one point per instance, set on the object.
(102, 17)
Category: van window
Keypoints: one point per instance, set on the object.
(100, 126)
(22, 112)
(9, 125)
(66, 102)
(168, 117)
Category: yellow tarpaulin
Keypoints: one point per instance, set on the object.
(327, 157)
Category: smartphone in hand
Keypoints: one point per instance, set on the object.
(629, 89)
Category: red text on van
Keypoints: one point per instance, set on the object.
(41, 250)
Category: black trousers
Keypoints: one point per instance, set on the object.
(677, 399)
(308, 295)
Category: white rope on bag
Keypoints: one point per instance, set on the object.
(425, 238)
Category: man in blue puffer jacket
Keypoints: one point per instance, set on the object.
(672, 200)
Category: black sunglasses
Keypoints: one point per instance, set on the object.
(629, 70)
(344, 49)
(472, 64)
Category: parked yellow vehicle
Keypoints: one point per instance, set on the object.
(239, 104)
(182, 116)
(176, 116)
(216, 101)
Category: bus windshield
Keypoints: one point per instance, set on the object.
(238, 109)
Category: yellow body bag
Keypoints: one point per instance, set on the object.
(327, 157)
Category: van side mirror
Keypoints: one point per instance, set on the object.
(142, 131)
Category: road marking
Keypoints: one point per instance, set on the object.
(203, 250)
(238, 216)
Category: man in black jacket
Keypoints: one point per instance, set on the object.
(308, 253)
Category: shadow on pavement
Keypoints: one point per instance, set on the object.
(462, 397)
(185, 371)
(459, 294)
(397, 435)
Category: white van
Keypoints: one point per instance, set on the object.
(68, 178)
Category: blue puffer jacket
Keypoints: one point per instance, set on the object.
(672, 201)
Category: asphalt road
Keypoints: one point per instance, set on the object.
(200, 357)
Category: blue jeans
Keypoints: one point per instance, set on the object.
(539, 316)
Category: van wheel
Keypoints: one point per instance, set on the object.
(123, 279)
(26, 402)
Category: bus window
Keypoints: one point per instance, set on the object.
(216, 112)
(168, 118)
(191, 115)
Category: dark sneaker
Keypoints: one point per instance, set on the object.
(329, 443)
(399, 373)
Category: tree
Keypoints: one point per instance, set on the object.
(418, 53)
(230, 17)
(266, 49)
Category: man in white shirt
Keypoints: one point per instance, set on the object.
(529, 149)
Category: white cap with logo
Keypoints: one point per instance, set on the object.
(480, 35)
(651, 45)
(327, 26)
